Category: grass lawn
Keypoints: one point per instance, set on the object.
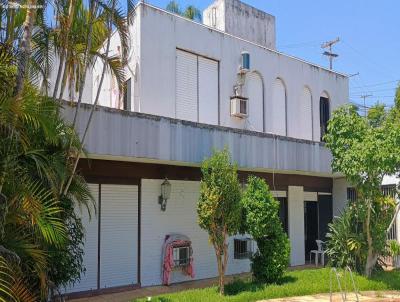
(295, 283)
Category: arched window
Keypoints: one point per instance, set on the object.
(324, 113)
(278, 108)
(304, 116)
(254, 91)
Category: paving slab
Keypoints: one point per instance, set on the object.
(337, 297)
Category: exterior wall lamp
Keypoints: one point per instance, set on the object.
(165, 194)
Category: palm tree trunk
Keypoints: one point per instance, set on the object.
(63, 81)
(95, 102)
(93, 9)
(64, 53)
(60, 69)
(25, 45)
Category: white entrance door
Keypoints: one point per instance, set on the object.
(118, 235)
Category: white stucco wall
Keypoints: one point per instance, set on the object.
(339, 195)
(242, 20)
(179, 217)
(70, 94)
(161, 33)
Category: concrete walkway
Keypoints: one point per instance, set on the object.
(364, 296)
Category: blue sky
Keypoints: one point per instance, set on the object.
(369, 31)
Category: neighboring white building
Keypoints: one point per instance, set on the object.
(189, 91)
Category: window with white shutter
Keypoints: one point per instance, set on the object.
(186, 86)
(208, 91)
(197, 89)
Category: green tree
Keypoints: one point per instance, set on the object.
(364, 150)
(191, 12)
(262, 222)
(40, 237)
(218, 208)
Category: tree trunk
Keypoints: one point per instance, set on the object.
(63, 81)
(372, 257)
(64, 47)
(221, 253)
(93, 10)
(25, 45)
(60, 69)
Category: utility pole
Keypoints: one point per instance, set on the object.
(364, 96)
(329, 53)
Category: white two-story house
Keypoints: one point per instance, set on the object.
(193, 88)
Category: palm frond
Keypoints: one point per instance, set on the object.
(6, 281)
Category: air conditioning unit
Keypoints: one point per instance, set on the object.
(239, 106)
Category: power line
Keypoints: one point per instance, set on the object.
(377, 90)
(377, 84)
(370, 61)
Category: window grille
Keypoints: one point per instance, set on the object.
(243, 248)
(391, 191)
(351, 194)
(181, 256)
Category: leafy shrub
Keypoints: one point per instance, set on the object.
(393, 248)
(347, 243)
(262, 222)
(346, 240)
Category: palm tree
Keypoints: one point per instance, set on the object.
(34, 149)
(193, 13)
(190, 12)
(39, 186)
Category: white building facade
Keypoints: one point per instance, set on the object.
(192, 88)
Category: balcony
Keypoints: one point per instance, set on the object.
(130, 136)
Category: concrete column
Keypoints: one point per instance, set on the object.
(296, 224)
(339, 195)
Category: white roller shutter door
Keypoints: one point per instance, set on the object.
(89, 278)
(118, 235)
(186, 86)
(208, 91)
(278, 108)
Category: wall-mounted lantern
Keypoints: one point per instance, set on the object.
(165, 194)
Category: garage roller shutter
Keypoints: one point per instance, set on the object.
(118, 237)
(89, 278)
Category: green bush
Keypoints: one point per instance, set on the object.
(347, 243)
(346, 240)
(262, 222)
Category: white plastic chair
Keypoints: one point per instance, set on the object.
(319, 251)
